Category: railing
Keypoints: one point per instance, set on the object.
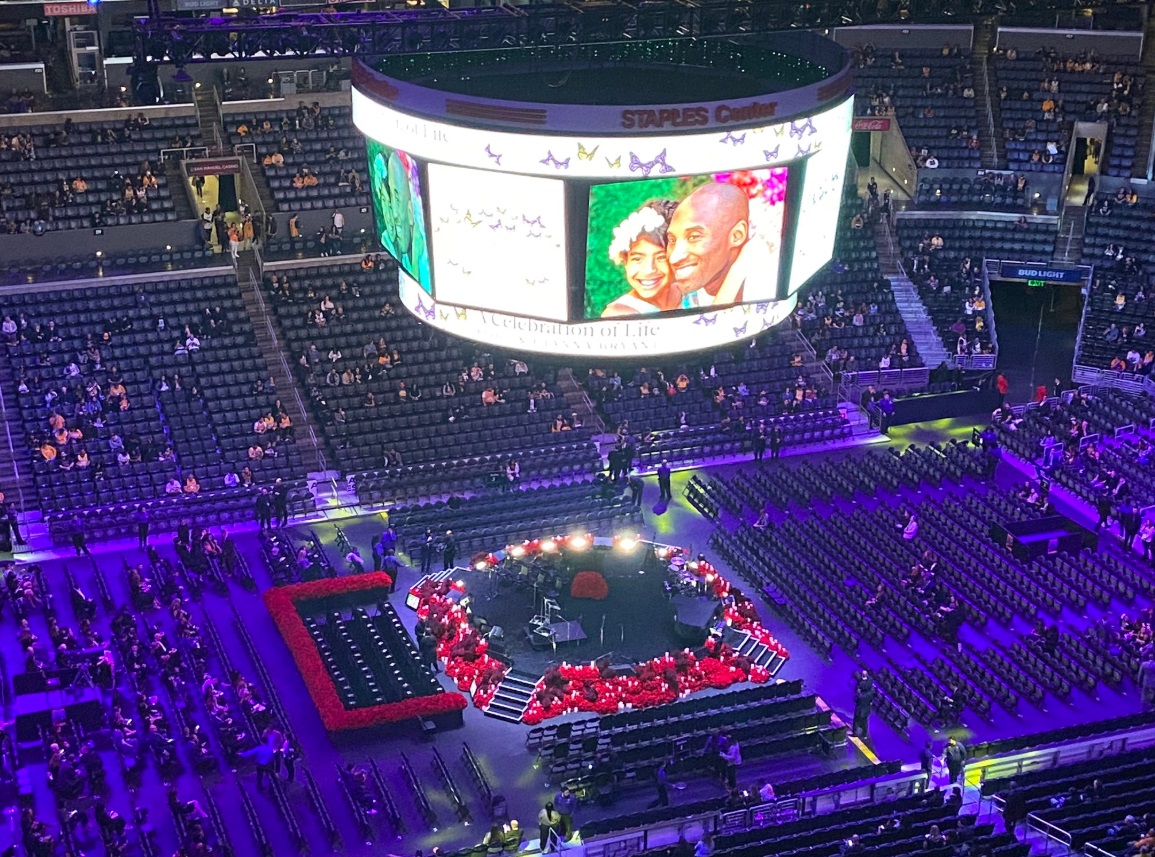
(256, 285)
(183, 153)
(246, 150)
(1049, 830)
(918, 375)
(253, 200)
(12, 448)
(1127, 381)
(990, 318)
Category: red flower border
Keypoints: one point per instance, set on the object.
(583, 687)
(281, 603)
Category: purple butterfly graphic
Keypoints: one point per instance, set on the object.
(772, 154)
(550, 160)
(707, 319)
(733, 139)
(741, 331)
(761, 308)
(430, 312)
(496, 226)
(647, 167)
(493, 155)
(804, 130)
(803, 150)
(535, 222)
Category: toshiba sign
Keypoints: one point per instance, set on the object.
(67, 10)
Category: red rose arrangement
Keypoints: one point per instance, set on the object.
(589, 584)
(281, 603)
(461, 648)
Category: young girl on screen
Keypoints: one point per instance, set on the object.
(639, 246)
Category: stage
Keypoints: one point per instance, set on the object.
(634, 622)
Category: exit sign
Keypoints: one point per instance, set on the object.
(1036, 284)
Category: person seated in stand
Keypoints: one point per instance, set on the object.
(763, 521)
(173, 486)
(191, 485)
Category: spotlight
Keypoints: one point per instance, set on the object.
(480, 565)
(627, 543)
(517, 552)
(99, 254)
(579, 542)
(167, 247)
(549, 546)
(663, 553)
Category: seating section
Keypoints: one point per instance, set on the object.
(371, 657)
(1076, 88)
(111, 415)
(765, 722)
(1104, 438)
(925, 91)
(107, 157)
(324, 143)
(1106, 803)
(1121, 246)
(91, 267)
(491, 523)
(986, 192)
(849, 309)
(406, 367)
(856, 579)
(688, 446)
(478, 472)
(944, 258)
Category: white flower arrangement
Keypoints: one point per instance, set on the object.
(645, 219)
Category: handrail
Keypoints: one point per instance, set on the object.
(184, 152)
(1049, 830)
(989, 312)
(254, 202)
(8, 433)
(255, 284)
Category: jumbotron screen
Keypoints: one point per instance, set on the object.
(607, 245)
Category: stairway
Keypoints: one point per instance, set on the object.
(307, 440)
(264, 194)
(756, 651)
(925, 335)
(181, 199)
(512, 696)
(986, 103)
(209, 119)
(578, 401)
(15, 479)
(1072, 228)
(1147, 110)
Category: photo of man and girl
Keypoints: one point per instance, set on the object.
(397, 207)
(684, 243)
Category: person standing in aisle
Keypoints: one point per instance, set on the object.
(664, 492)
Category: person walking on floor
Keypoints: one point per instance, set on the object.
(926, 761)
(142, 521)
(428, 551)
(776, 442)
(1147, 683)
(863, 701)
(637, 486)
(955, 756)
(732, 760)
(281, 503)
(548, 825)
(664, 492)
(264, 510)
(79, 537)
(760, 442)
(14, 523)
(449, 551)
(661, 787)
(565, 802)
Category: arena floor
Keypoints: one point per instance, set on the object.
(500, 745)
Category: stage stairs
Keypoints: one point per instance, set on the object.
(512, 696)
(744, 644)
